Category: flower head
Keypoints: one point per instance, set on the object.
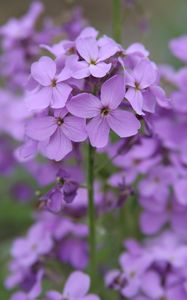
(104, 112)
(52, 90)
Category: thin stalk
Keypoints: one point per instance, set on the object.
(91, 212)
(117, 20)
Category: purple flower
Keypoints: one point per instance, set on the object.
(105, 113)
(157, 183)
(34, 292)
(22, 28)
(93, 55)
(178, 47)
(74, 251)
(51, 91)
(56, 133)
(138, 81)
(139, 160)
(159, 212)
(133, 269)
(28, 250)
(64, 191)
(76, 287)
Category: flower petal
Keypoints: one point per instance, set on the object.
(53, 295)
(43, 70)
(74, 128)
(151, 223)
(178, 47)
(152, 286)
(98, 132)
(107, 49)
(39, 100)
(63, 75)
(149, 101)
(123, 123)
(36, 289)
(19, 296)
(87, 48)
(76, 286)
(58, 147)
(145, 73)
(135, 98)
(180, 188)
(100, 69)
(84, 105)
(27, 151)
(40, 129)
(113, 92)
(60, 94)
(90, 297)
(77, 69)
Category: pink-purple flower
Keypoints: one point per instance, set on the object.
(105, 113)
(76, 287)
(56, 133)
(51, 89)
(138, 80)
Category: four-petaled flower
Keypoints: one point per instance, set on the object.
(93, 55)
(138, 81)
(56, 133)
(51, 88)
(104, 112)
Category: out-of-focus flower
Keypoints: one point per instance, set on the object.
(76, 287)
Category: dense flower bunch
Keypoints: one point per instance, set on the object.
(21, 44)
(158, 165)
(88, 79)
(86, 91)
(155, 270)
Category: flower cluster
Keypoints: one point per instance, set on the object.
(78, 90)
(155, 270)
(157, 163)
(91, 86)
(50, 238)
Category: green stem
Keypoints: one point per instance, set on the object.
(91, 211)
(117, 20)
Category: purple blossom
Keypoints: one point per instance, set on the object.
(64, 191)
(52, 90)
(34, 292)
(56, 133)
(94, 56)
(178, 47)
(142, 77)
(76, 287)
(105, 113)
(28, 250)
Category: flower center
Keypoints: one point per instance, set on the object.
(34, 246)
(105, 111)
(156, 179)
(60, 121)
(137, 86)
(53, 83)
(92, 62)
(132, 274)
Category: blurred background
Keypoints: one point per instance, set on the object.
(151, 22)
